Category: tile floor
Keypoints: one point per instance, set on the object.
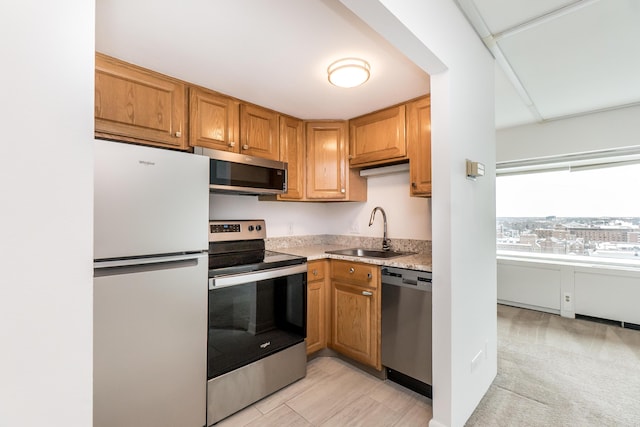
(335, 393)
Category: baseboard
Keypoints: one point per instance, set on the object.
(529, 307)
(435, 423)
(328, 352)
(620, 323)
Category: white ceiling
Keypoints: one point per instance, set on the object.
(559, 58)
(272, 53)
(555, 58)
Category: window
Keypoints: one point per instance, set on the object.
(578, 212)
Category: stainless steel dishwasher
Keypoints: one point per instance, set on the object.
(406, 328)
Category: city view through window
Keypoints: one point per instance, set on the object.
(587, 213)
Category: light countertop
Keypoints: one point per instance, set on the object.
(418, 261)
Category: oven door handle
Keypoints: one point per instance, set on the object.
(239, 279)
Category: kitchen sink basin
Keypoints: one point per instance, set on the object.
(368, 253)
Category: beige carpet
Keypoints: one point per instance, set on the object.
(554, 371)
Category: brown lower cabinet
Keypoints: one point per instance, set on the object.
(355, 311)
(343, 309)
(317, 305)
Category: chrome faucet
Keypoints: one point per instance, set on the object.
(385, 241)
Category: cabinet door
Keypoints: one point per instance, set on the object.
(138, 105)
(326, 160)
(316, 306)
(214, 120)
(419, 140)
(292, 151)
(378, 138)
(259, 132)
(355, 322)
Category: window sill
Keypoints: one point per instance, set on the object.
(571, 260)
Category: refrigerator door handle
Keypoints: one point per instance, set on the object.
(134, 265)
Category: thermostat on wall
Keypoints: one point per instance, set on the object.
(474, 169)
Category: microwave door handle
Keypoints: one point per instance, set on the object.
(256, 276)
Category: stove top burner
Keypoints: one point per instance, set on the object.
(245, 263)
(237, 247)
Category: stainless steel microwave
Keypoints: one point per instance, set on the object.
(240, 174)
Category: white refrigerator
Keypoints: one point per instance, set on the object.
(150, 286)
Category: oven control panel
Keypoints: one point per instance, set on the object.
(246, 229)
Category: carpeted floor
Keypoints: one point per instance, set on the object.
(554, 371)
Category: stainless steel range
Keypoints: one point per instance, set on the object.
(257, 317)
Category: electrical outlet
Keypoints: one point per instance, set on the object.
(476, 360)
(567, 301)
(355, 228)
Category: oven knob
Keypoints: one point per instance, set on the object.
(251, 228)
(258, 227)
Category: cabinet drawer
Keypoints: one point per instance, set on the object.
(316, 270)
(355, 272)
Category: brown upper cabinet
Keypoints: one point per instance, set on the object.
(419, 141)
(292, 151)
(214, 120)
(328, 174)
(259, 132)
(223, 123)
(378, 137)
(138, 105)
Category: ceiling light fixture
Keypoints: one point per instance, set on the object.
(348, 72)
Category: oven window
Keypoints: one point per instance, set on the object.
(250, 321)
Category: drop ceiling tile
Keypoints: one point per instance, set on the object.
(510, 109)
(499, 15)
(583, 61)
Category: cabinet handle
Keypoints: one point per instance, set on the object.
(414, 185)
(245, 147)
(342, 190)
(178, 134)
(352, 270)
(232, 144)
(367, 293)
(314, 272)
(369, 276)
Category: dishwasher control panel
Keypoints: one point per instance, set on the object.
(405, 277)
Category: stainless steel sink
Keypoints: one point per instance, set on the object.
(368, 253)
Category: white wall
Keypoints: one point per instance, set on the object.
(532, 285)
(462, 102)
(593, 132)
(569, 288)
(46, 226)
(407, 217)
